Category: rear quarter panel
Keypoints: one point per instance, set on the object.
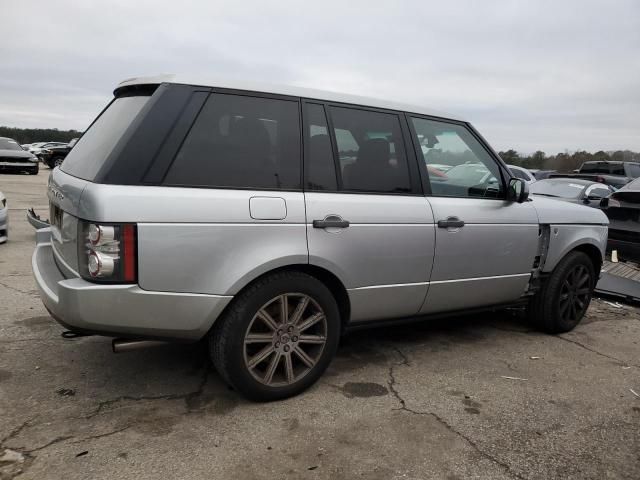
(196, 240)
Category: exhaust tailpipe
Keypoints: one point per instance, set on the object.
(120, 345)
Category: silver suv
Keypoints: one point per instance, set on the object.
(269, 221)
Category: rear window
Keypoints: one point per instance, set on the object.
(92, 150)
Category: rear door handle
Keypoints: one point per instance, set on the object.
(331, 221)
(451, 222)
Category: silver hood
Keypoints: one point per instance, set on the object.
(557, 212)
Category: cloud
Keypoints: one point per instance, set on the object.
(530, 75)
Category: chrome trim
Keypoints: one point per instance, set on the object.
(514, 275)
(393, 285)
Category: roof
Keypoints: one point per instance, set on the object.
(285, 90)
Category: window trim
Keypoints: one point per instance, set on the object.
(414, 179)
(505, 174)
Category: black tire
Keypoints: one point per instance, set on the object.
(558, 307)
(34, 171)
(227, 338)
(56, 162)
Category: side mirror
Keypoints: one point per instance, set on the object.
(518, 190)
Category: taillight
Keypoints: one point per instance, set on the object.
(107, 252)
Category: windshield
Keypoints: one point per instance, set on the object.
(94, 147)
(553, 188)
(8, 144)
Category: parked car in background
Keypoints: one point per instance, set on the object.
(522, 173)
(14, 158)
(53, 156)
(271, 255)
(608, 172)
(572, 190)
(38, 147)
(623, 209)
(4, 219)
(542, 174)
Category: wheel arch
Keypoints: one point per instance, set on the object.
(590, 239)
(329, 279)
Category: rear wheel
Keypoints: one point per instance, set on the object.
(565, 296)
(57, 161)
(277, 337)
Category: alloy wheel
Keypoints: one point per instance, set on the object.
(575, 294)
(285, 339)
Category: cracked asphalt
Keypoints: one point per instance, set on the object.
(476, 397)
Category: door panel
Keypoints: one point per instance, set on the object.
(486, 261)
(384, 257)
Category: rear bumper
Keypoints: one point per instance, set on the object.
(120, 310)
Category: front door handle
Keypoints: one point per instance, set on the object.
(451, 222)
(331, 221)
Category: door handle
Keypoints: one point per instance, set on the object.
(451, 222)
(331, 221)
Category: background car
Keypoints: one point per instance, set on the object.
(623, 209)
(572, 190)
(522, 173)
(14, 158)
(542, 174)
(38, 147)
(53, 156)
(4, 219)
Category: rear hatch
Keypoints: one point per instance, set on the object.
(89, 157)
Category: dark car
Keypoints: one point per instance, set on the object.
(623, 210)
(609, 172)
(53, 156)
(572, 190)
(15, 158)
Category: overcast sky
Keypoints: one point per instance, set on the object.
(549, 75)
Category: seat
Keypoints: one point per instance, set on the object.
(372, 170)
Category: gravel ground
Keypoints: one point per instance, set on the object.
(475, 397)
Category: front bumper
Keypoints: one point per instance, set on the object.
(120, 310)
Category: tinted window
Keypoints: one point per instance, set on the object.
(371, 152)
(321, 171)
(243, 142)
(457, 164)
(92, 150)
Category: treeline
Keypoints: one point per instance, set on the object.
(565, 162)
(31, 135)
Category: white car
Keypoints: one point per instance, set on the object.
(4, 219)
(522, 173)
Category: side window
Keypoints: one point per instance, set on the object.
(457, 164)
(243, 142)
(371, 151)
(321, 169)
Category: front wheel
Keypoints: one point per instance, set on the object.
(277, 337)
(565, 296)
